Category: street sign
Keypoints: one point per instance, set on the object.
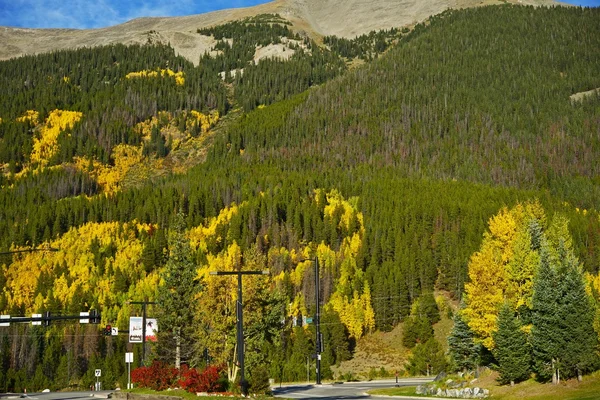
(114, 331)
(36, 316)
(86, 320)
(4, 317)
(98, 373)
(128, 358)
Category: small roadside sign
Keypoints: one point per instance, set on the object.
(114, 331)
(128, 358)
(36, 316)
(309, 320)
(98, 373)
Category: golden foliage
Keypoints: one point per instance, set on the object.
(46, 145)
(204, 121)
(111, 177)
(80, 274)
(179, 76)
(31, 116)
(503, 269)
(214, 229)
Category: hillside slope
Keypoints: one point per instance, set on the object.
(327, 17)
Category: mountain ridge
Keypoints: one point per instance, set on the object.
(311, 17)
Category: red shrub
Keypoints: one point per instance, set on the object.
(205, 381)
(158, 376)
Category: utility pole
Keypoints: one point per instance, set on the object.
(240, 322)
(319, 338)
(3, 253)
(144, 304)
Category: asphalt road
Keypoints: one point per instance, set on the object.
(58, 395)
(350, 390)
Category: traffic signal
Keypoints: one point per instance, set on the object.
(94, 317)
(46, 321)
(108, 330)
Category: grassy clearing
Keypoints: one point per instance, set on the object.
(401, 391)
(589, 389)
(385, 350)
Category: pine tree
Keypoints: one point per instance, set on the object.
(511, 351)
(546, 338)
(463, 350)
(427, 358)
(562, 336)
(578, 318)
(176, 298)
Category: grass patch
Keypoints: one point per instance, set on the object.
(399, 391)
(186, 395)
(589, 389)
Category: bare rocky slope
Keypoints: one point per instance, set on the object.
(313, 17)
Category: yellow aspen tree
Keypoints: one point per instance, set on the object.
(485, 291)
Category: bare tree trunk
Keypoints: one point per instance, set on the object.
(232, 369)
(554, 376)
(178, 349)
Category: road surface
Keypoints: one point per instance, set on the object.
(58, 395)
(349, 390)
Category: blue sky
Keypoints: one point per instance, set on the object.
(101, 13)
(84, 14)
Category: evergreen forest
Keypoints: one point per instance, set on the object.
(420, 166)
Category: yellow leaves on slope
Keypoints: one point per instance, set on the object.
(593, 289)
(179, 76)
(21, 278)
(215, 229)
(503, 269)
(109, 177)
(46, 145)
(31, 116)
(485, 291)
(79, 274)
(355, 313)
(347, 208)
(204, 121)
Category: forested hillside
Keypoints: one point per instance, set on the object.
(388, 172)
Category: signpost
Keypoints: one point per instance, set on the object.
(128, 361)
(98, 374)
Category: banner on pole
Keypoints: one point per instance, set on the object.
(135, 329)
(151, 329)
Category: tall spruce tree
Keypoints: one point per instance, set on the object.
(562, 337)
(578, 318)
(511, 351)
(546, 337)
(463, 351)
(175, 298)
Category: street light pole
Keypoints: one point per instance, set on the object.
(240, 321)
(319, 339)
(144, 304)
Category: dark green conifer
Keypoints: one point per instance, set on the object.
(511, 352)
(463, 351)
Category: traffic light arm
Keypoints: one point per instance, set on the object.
(47, 317)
